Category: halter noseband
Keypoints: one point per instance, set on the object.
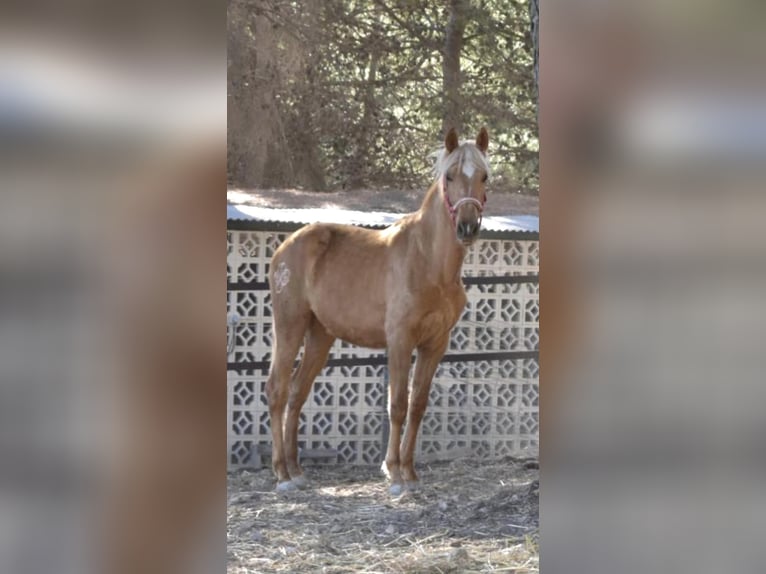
(452, 208)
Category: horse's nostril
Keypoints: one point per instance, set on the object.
(466, 229)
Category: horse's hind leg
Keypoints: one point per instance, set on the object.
(288, 336)
(316, 349)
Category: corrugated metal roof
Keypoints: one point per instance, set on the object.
(495, 223)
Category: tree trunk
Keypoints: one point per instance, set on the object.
(363, 143)
(303, 133)
(534, 20)
(452, 80)
(258, 155)
(309, 172)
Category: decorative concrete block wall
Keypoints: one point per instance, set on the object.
(484, 398)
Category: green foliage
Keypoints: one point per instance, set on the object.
(359, 87)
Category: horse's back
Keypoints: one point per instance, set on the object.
(313, 244)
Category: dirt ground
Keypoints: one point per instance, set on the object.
(468, 516)
(396, 201)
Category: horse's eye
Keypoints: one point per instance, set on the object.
(484, 179)
(449, 177)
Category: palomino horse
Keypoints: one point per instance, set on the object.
(398, 288)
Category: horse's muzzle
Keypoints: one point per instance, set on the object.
(467, 231)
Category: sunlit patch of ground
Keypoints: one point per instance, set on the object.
(468, 516)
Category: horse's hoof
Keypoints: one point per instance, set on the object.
(300, 481)
(412, 485)
(286, 486)
(396, 490)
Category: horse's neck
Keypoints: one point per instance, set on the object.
(437, 237)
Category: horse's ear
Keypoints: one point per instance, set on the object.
(450, 142)
(482, 140)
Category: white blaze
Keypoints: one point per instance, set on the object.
(468, 169)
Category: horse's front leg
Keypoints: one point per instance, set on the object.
(425, 367)
(399, 359)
